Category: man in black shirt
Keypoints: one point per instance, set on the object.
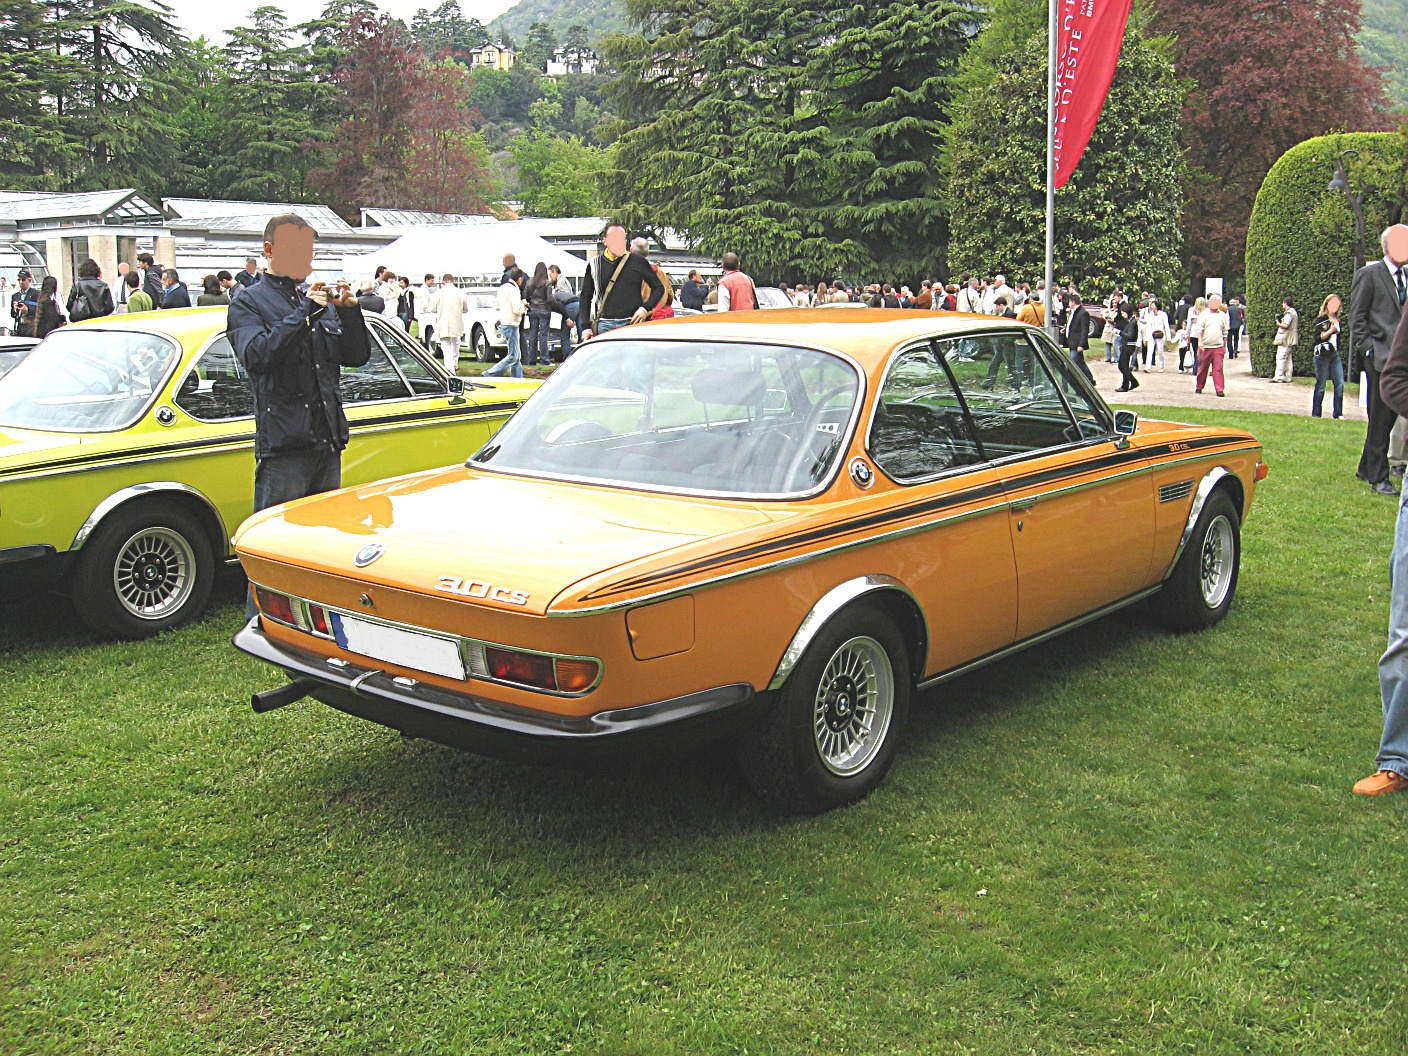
(611, 290)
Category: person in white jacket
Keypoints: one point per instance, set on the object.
(511, 308)
(448, 304)
(1155, 334)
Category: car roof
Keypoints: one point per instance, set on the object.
(176, 322)
(864, 336)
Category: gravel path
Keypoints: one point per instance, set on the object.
(1244, 392)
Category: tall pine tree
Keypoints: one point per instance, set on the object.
(805, 139)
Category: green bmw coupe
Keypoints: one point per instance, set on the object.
(126, 455)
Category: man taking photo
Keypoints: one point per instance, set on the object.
(294, 347)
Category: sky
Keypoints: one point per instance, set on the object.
(202, 18)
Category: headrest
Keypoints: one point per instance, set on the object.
(734, 388)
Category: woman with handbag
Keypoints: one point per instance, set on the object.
(1328, 364)
(1156, 329)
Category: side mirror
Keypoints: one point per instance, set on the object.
(457, 386)
(1126, 422)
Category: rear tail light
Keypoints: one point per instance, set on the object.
(556, 674)
(274, 605)
(318, 620)
(575, 676)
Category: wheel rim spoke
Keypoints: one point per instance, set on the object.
(1215, 566)
(154, 573)
(853, 705)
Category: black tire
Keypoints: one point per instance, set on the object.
(479, 340)
(1201, 588)
(796, 758)
(149, 567)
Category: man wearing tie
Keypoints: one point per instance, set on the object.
(1379, 291)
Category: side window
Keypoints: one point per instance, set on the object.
(1015, 404)
(920, 428)
(216, 388)
(420, 377)
(1092, 419)
(377, 380)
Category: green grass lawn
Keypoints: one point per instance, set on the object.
(1118, 842)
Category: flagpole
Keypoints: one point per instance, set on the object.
(1051, 59)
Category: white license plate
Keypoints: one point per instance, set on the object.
(391, 645)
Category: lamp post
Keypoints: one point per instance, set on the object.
(1340, 182)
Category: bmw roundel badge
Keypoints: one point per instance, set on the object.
(368, 554)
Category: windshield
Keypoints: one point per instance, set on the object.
(86, 380)
(698, 416)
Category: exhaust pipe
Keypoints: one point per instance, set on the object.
(284, 695)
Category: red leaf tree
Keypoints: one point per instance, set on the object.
(445, 169)
(1266, 74)
(380, 82)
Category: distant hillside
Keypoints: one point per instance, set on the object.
(1384, 42)
(601, 17)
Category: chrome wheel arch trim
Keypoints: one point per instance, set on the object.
(1210, 480)
(832, 602)
(136, 491)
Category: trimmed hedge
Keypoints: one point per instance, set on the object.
(1300, 241)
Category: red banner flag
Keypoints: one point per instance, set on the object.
(1089, 35)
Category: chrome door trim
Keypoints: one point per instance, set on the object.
(1036, 639)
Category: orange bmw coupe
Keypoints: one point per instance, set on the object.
(768, 526)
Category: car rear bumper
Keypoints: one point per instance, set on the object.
(463, 720)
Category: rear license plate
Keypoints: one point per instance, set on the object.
(392, 645)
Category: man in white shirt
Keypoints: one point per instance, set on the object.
(999, 290)
(510, 304)
(969, 299)
(425, 310)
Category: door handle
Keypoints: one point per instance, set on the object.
(1022, 505)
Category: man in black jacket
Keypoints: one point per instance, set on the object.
(294, 347)
(1076, 333)
(1377, 300)
(611, 291)
(151, 278)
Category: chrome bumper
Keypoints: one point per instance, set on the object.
(464, 720)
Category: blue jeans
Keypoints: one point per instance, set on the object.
(537, 350)
(1328, 368)
(511, 361)
(1118, 349)
(1393, 665)
(289, 476)
(564, 337)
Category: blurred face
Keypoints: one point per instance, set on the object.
(290, 252)
(615, 240)
(1214, 303)
(1398, 244)
(1333, 305)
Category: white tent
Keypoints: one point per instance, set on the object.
(470, 252)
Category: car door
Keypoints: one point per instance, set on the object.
(403, 416)
(960, 564)
(1081, 509)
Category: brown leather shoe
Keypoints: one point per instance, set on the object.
(1380, 784)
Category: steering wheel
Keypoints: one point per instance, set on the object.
(576, 431)
(804, 448)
